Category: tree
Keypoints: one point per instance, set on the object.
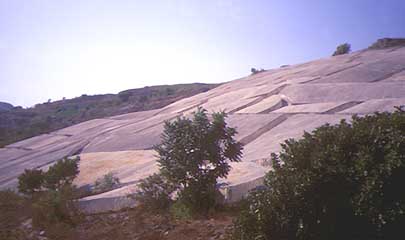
(53, 207)
(194, 153)
(55, 211)
(342, 49)
(124, 96)
(254, 70)
(63, 172)
(338, 182)
(154, 193)
(30, 181)
(13, 208)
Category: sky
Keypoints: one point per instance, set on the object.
(50, 49)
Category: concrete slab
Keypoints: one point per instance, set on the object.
(266, 108)
(318, 93)
(128, 166)
(136, 136)
(38, 142)
(265, 104)
(309, 108)
(249, 124)
(376, 105)
(293, 127)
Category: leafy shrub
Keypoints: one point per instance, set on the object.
(13, 209)
(194, 153)
(338, 182)
(388, 43)
(106, 183)
(200, 197)
(255, 71)
(124, 96)
(63, 172)
(30, 181)
(154, 193)
(342, 49)
(180, 211)
(54, 206)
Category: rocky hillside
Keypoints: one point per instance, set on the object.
(18, 123)
(5, 106)
(266, 108)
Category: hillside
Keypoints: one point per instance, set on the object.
(5, 106)
(266, 108)
(17, 123)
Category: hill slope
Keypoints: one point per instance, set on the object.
(266, 108)
(5, 106)
(17, 124)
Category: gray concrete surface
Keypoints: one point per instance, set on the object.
(266, 108)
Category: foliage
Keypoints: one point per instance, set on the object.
(200, 196)
(255, 71)
(56, 209)
(106, 183)
(194, 153)
(180, 211)
(12, 209)
(154, 193)
(53, 207)
(338, 182)
(63, 172)
(342, 49)
(30, 181)
(388, 43)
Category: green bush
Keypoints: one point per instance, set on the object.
(200, 197)
(342, 49)
(63, 172)
(155, 193)
(255, 71)
(55, 206)
(338, 182)
(194, 153)
(180, 211)
(30, 181)
(13, 209)
(106, 183)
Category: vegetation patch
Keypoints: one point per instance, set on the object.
(338, 182)
(193, 154)
(388, 43)
(106, 183)
(52, 198)
(344, 48)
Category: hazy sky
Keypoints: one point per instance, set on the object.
(54, 49)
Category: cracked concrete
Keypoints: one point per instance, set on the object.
(266, 108)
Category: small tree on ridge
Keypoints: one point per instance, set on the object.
(194, 153)
(342, 49)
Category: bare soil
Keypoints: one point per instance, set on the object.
(136, 224)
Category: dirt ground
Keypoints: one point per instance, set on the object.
(136, 224)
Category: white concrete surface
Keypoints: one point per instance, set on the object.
(266, 108)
